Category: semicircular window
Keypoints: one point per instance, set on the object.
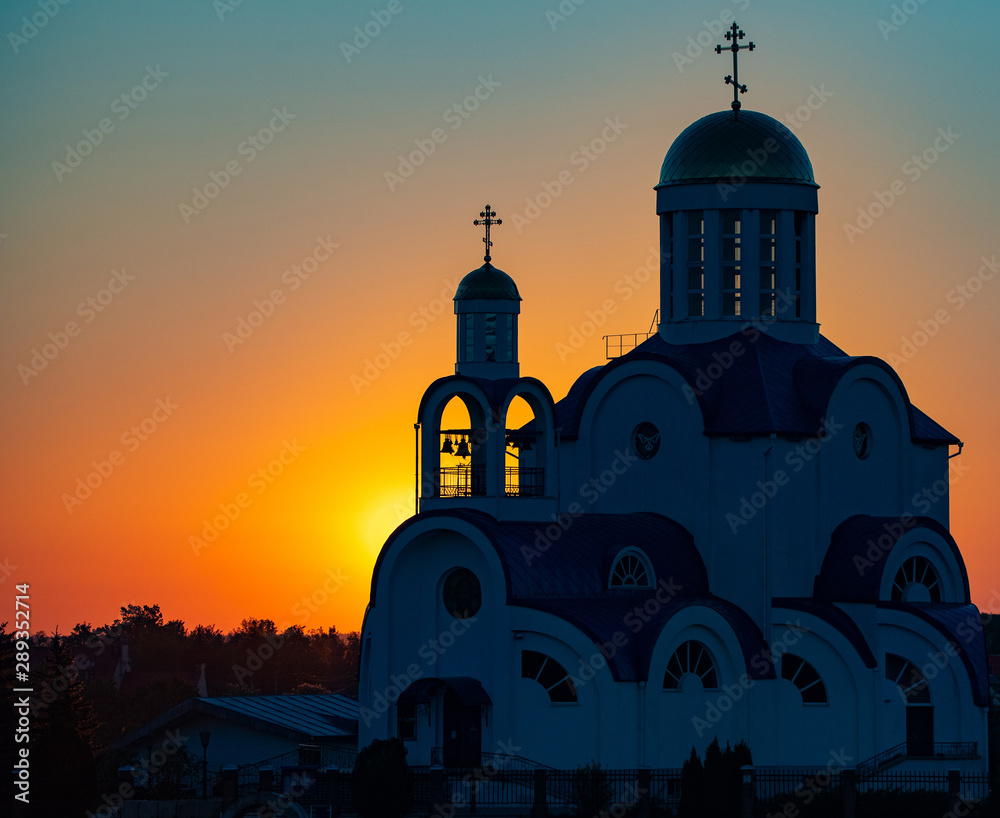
(549, 674)
(691, 657)
(804, 676)
(916, 581)
(912, 685)
(631, 571)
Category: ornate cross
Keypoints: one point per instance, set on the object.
(486, 219)
(734, 34)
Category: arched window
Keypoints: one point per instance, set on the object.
(916, 581)
(549, 674)
(804, 676)
(631, 570)
(913, 686)
(691, 657)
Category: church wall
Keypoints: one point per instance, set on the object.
(672, 481)
(875, 484)
(691, 716)
(800, 733)
(956, 718)
(561, 734)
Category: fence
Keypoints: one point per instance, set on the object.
(517, 791)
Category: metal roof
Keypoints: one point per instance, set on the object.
(302, 718)
(849, 574)
(487, 282)
(773, 387)
(721, 146)
(963, 627)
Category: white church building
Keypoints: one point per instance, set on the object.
(734, 530)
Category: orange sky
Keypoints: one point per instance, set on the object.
(159, 354)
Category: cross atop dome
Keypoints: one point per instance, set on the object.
(486, 219)
(735, 34)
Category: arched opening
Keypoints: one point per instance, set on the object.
(461, 449)
(524, 453)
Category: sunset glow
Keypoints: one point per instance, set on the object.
(221, 307)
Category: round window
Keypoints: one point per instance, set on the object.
(862, 440)
(462, 594)
(646, 440)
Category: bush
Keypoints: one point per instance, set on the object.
(382, 781)
(592, 792)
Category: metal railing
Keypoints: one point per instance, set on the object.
(462, 481)
(617, 345)
(525, 481)
(470, 481)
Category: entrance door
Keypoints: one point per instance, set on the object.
(462, 739)
(919, 731)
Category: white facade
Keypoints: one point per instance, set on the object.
(734, 530)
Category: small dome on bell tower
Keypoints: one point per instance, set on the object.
(487, 304)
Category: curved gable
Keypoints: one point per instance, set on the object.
(856, 559)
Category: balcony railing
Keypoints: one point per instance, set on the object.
(470, 481)
(462, 481)
(525, 481)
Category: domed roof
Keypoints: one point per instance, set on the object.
(487, 282)
(707, 150)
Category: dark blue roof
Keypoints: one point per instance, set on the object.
(961, 624)
(542, 560)
(487, 282)
(565, 571)
(707, 150)
(835, 617)
(773, 387)
(849, 572)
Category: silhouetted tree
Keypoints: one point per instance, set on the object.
(64, 768)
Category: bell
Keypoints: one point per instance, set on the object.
(447, 448)
(463, 449)
(526, 445)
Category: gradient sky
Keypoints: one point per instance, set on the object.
(211, 412)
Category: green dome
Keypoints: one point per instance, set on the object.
(487, 282)
(707, 150)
